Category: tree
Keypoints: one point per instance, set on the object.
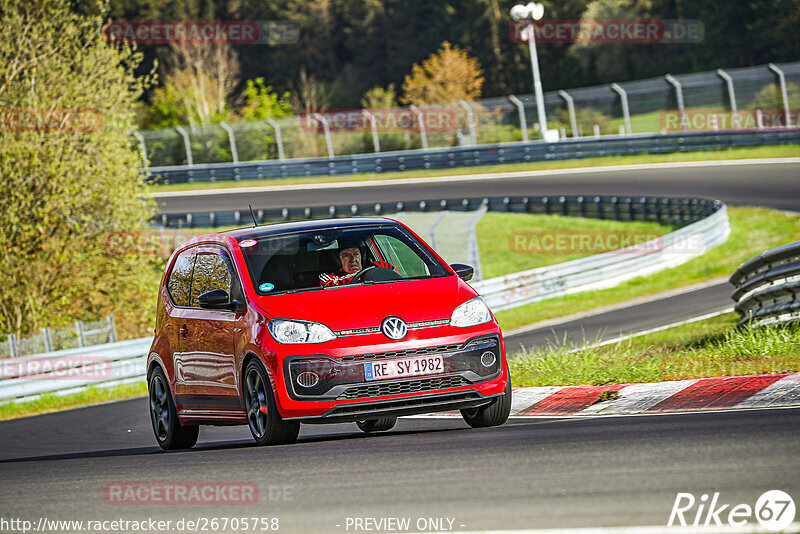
(380, 98)
(259, 101)
(446, 76)
(69, 170)
(199, 80)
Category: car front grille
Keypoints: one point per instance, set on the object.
(396, 388)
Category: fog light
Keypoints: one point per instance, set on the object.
(307, 379)
(488, 358)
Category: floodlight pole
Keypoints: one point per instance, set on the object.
(537, 81)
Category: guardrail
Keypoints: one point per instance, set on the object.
(493, 154)
(768, 287)
(110, 364)
(651, 209)
(610, 268)
(73, 370)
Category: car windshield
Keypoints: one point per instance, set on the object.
(320, 259)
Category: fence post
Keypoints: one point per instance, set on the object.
(112, 329)
(81, 336)
(142, 146)
(423, 134)
(48, 339)
(679, 95)
(231, 140)
(187, 145)
(626, 113)
(470, 121)
(782, 82)
(278, 138)
(12, 346)
(523, 124)
(731, 96)
(571, 109)
(326, 127)
(376, 143)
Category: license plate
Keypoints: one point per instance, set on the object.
(423, 365)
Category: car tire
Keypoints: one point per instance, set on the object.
(169, 432)
(381, 424)
(266, 424)
(493, 414)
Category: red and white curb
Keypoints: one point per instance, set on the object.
(720, 393)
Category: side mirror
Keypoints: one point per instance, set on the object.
(216, 299)
(465, 272)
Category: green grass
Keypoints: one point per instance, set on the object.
(713, 347)
(511, 242)
(775, 151)
(53, 403)
(753, 230)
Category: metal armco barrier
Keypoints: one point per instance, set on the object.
(660, 210)
(493, 154)
(73, 370)
(768, 287)
(608, 269)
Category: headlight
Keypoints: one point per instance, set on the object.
(294, 331)
(470, 313)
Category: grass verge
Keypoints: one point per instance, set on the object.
(513, 242)
(773, 151)
(52, 403)
(753, 230)
(713, 347)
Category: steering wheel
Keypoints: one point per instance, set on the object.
(360, 274)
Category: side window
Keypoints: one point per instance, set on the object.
(180, 278)
(210, 272)
(404, 260)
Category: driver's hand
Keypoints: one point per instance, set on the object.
(326, 279)
(383, 264)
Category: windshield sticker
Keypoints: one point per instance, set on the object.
(266, 287)
(248, 243)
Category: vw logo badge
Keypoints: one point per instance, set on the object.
(394, 328)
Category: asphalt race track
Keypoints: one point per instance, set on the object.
(773, 185)
(531, 472)
(628, 319)
(565, 472)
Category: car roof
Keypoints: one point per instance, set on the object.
(299, 226)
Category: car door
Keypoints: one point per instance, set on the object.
(206, 368)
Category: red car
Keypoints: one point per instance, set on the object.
(322, 321)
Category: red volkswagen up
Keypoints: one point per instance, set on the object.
(322, 321)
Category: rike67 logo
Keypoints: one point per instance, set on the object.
(774, 510)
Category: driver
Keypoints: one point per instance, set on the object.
(350, 260)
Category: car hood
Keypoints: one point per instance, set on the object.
(365, 306)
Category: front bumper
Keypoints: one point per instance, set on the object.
(344, 378)
(412, 405)
(343, 393)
